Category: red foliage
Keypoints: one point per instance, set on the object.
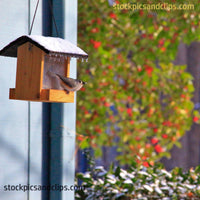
(129, 111)
(113, 15)
(137, 138)
(82, 89)
(145, 164)
(167, 123)
(165, 136)
(155, 130)
(99, 21)
(97, 129)
(106, 104)
(161, 42)
(148, 146)
(148, 69)
(154, 140)
(163, 49)
(141, 13)
(150, 36)
(96, 44)
(95, 30)
(158, 148)
(195, 119)
(80, 137)
(103, 98)
(136, 41)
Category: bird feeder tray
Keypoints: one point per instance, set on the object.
(38, 59)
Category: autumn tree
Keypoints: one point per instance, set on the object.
(136, 98)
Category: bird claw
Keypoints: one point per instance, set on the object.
(67, 91)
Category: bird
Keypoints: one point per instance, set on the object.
(70, 84)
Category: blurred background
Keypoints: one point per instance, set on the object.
(143, 73)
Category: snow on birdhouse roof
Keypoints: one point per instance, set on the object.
(50, 45)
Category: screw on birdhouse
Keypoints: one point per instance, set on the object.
(30, 47)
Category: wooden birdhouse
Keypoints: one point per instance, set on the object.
(39, 58)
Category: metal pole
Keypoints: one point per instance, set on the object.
(52, 140)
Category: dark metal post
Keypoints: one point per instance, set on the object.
(52, 115)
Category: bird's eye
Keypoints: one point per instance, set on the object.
(79, 81)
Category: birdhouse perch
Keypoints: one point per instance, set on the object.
(39, 58)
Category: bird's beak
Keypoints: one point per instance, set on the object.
(84, 83)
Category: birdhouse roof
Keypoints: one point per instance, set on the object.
(50, 45)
